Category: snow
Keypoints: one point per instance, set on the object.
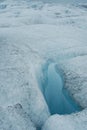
(33, 34)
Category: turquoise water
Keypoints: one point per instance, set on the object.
(56, 97)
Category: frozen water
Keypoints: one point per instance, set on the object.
(15, 118)
(77, 121)
(55, 95)
(32, 33)
(76, 78)
(18, 83)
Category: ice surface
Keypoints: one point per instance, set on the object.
(15, 117)
(75, 76)
(77, 121)
(32, 34)
(15, 13)
(18, 82)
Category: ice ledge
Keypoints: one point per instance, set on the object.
(77, 121)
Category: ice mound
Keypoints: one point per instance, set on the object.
(18, 83)
(75, 78)
(77, 121)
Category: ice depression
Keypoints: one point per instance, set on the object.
(56, 96)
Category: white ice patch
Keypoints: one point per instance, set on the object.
(75, 76)
(18, 83)
(15, 118)
(77, 121)
(15, 13)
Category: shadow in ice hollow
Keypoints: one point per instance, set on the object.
(57, 98)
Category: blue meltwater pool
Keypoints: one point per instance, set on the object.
(57, 98)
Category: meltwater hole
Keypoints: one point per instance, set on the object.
(57, 98)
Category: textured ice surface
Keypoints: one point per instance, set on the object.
(21, 13)
(75, 76)
(32, 33)
(77, 121)
(15, 118)
(18, 83)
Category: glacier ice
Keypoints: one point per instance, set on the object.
(14, 117)
(31, 34)
(75, 76)
(18, 83)
(77, 121)
(56, 96)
